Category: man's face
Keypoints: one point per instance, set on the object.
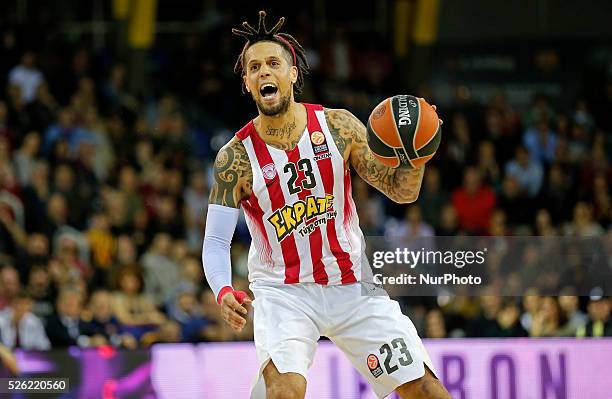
(269, 77)
(69, 305)
(21, 306)
(599, 310)
(101, 305)
(10, 281)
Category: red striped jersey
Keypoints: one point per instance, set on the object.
(301, 214)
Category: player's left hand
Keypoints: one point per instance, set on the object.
(233, 309)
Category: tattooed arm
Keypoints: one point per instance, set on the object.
(233, 177)
(400, 185)
(232, 183)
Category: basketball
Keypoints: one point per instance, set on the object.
(404, 131)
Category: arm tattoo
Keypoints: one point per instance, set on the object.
(400, 185)
(233, 177)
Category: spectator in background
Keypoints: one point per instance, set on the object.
(167, 220)
(191, 278)
(541, 142)
(25, 158)
(65, 327)
(508, 321)
(339, 52)
(57, 215)
(114, 91)
(527, 172)
(100, 319)
(35, 196)
(115, 205)
(186, 311)
(43, 110)
(412, 226)
(125, 255)
(134, 310)
(550, 320)
(12, 235)
(8, 182)
(596, 164)
(583, 225)
(449, 223)
(65, 183)
(485, 325)
(41, 291)
(104, 154)
(570, 304)
(18, 116)
(32, 251)
(72, 254)
(432, 198)
(103, 248)
(488, 164)
(578, 145)
(435, 326)
(20, 328)
(474, 202)
(66, 129)
(162, 274)
(458, 147)
(196, 203)
(541, 110)
(543, 224)
(26, 76)
(6, 132)
(10, 285)
(518, 207)
(557, 196)
(497, 224)
(128, 186)
(502, 139)
(599, 323)
(371, 208)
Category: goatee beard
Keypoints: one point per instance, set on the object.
(278, 109)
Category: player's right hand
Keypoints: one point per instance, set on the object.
(233, 310)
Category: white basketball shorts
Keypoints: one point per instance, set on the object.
(380, 341)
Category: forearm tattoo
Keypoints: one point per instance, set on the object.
(400, 185)
(233, 177)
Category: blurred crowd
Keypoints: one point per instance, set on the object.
(103, 193)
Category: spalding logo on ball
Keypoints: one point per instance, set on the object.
(404, 131)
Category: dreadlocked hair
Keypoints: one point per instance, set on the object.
(288, 42)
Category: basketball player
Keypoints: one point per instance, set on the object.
(289, 171)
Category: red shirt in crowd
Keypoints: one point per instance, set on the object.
(474, 210)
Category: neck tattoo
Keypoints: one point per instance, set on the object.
(281, 132)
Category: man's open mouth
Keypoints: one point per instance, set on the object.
(268, 90)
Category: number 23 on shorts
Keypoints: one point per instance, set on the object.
(391, 363)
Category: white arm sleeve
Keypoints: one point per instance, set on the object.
(220, 226)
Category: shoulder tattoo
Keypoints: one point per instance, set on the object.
(343, 126)
(232, 175)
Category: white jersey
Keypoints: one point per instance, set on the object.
(301, 214)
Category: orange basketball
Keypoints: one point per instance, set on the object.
(404, 131)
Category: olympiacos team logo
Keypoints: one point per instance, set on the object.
(269, 171)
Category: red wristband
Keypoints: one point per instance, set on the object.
(223, 291)
(239, 295)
